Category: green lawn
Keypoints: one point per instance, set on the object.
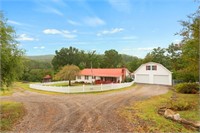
(11, 112)
(25, 86)
(66, 84)
(146, 119)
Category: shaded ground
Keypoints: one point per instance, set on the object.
(79, 112)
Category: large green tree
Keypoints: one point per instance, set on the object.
(68, 72)
(11, 56)
(67, 56)
(157, 55)
(112, 59)
(190, 48)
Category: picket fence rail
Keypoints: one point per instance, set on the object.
(78, 89)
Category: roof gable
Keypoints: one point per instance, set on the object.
(148, 63)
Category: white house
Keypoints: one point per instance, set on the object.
(102, 75)
(153, 73)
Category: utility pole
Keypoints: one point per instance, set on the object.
(92, 73)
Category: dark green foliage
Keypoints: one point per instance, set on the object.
(69, 56)
(112, 59)
(187, 88)
(35, 70)
(42, 58)
(11, 58)
(128, 79)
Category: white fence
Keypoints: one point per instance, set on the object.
(77, 89)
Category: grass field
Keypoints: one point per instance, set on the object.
(144, 114)
(11, 112)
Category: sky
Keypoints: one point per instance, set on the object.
(132, 27)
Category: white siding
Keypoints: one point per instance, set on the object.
(142, 78)
(160, 76)
(89, 80)
(161, 79)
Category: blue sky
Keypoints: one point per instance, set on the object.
(132, 27)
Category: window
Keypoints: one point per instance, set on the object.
(79, 77)
(86, 77)
(148, 67)
(93, 77)
(154, 67)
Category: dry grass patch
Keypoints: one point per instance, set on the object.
(10, 113)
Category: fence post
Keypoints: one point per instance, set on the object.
(111, 85)
(83, 88)
(68, 89)
(101, 87)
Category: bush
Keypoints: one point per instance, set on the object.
(187, 88)
(180, 105)
(128, 79)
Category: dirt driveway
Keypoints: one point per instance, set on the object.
(79, 112)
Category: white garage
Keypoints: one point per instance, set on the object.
(153, 73)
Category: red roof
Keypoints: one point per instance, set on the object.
(47, 77)
(106, 72)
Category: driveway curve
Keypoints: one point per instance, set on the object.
(79, 112)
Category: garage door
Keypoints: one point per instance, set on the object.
(142, 78)
(161, 79)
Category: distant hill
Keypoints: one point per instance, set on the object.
(46, 58)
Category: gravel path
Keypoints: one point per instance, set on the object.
(79, 112)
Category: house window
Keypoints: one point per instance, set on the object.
(79, 77)
(148, 67)
(93, 77)
(154, 67)
(86, 77)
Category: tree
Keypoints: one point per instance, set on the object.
(68, 72)
(174, 54)
(112, 58)
(11, 57)
(158, 56)
(67, 56)
(133, 65)
(190, 48)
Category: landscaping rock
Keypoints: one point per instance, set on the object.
(171, 114)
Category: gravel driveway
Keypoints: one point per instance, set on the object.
(79, 112)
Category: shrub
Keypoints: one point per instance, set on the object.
(128, 79)
(180, 105)
(188, 88)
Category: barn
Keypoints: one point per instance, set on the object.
(153, 73)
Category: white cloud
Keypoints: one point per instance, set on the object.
(65, 33)
(51, 31)
(145, 49)
(45, 7)
(94, 21)
(14, 22)
(24, 37)
(112, 31)
(129, 37)
(73, 23)
(39, 47)
(121, 5)
(53, 10)
(177, 41)
(138, 49)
